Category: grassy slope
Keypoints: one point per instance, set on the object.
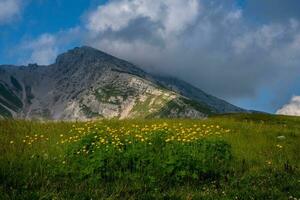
(262, 165)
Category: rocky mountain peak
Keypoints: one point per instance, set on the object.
(87, 56)
(82, 54)
(85, 83)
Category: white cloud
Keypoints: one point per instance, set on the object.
(211, 44)
(173, 16)
(292, 108)
(43, 50)
(9, 10)
(208, 43)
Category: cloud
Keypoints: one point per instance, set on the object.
(44, 49)
(117, 15)
(9, 10)
(217, 46)
(210, 44)
(292, 108)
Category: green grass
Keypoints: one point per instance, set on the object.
(179, 107)
(148, 107)
(198, 106)
(238, 156)
(104, 94)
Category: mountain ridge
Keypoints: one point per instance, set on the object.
(86, 83)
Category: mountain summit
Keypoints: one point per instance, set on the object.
(85, 83)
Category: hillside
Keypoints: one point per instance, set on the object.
(85, 83)
(248, 156)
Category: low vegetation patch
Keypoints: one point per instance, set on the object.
(224, 157)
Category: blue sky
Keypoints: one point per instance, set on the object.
(38, 17)
(233, 50)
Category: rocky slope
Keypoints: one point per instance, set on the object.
(85, 83)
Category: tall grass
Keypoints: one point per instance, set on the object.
(223, 157)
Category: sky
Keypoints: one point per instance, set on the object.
(244, 51)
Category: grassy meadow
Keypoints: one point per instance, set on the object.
(242, 156)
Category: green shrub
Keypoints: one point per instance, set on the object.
(160, 163)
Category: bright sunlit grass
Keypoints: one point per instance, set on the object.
(224, 157)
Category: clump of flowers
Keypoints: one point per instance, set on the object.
(120, 135)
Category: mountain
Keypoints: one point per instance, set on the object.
(85, 83)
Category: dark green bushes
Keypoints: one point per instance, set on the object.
(158, 163)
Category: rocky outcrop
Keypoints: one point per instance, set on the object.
(85, 83)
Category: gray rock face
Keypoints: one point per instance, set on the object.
(85, 83)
